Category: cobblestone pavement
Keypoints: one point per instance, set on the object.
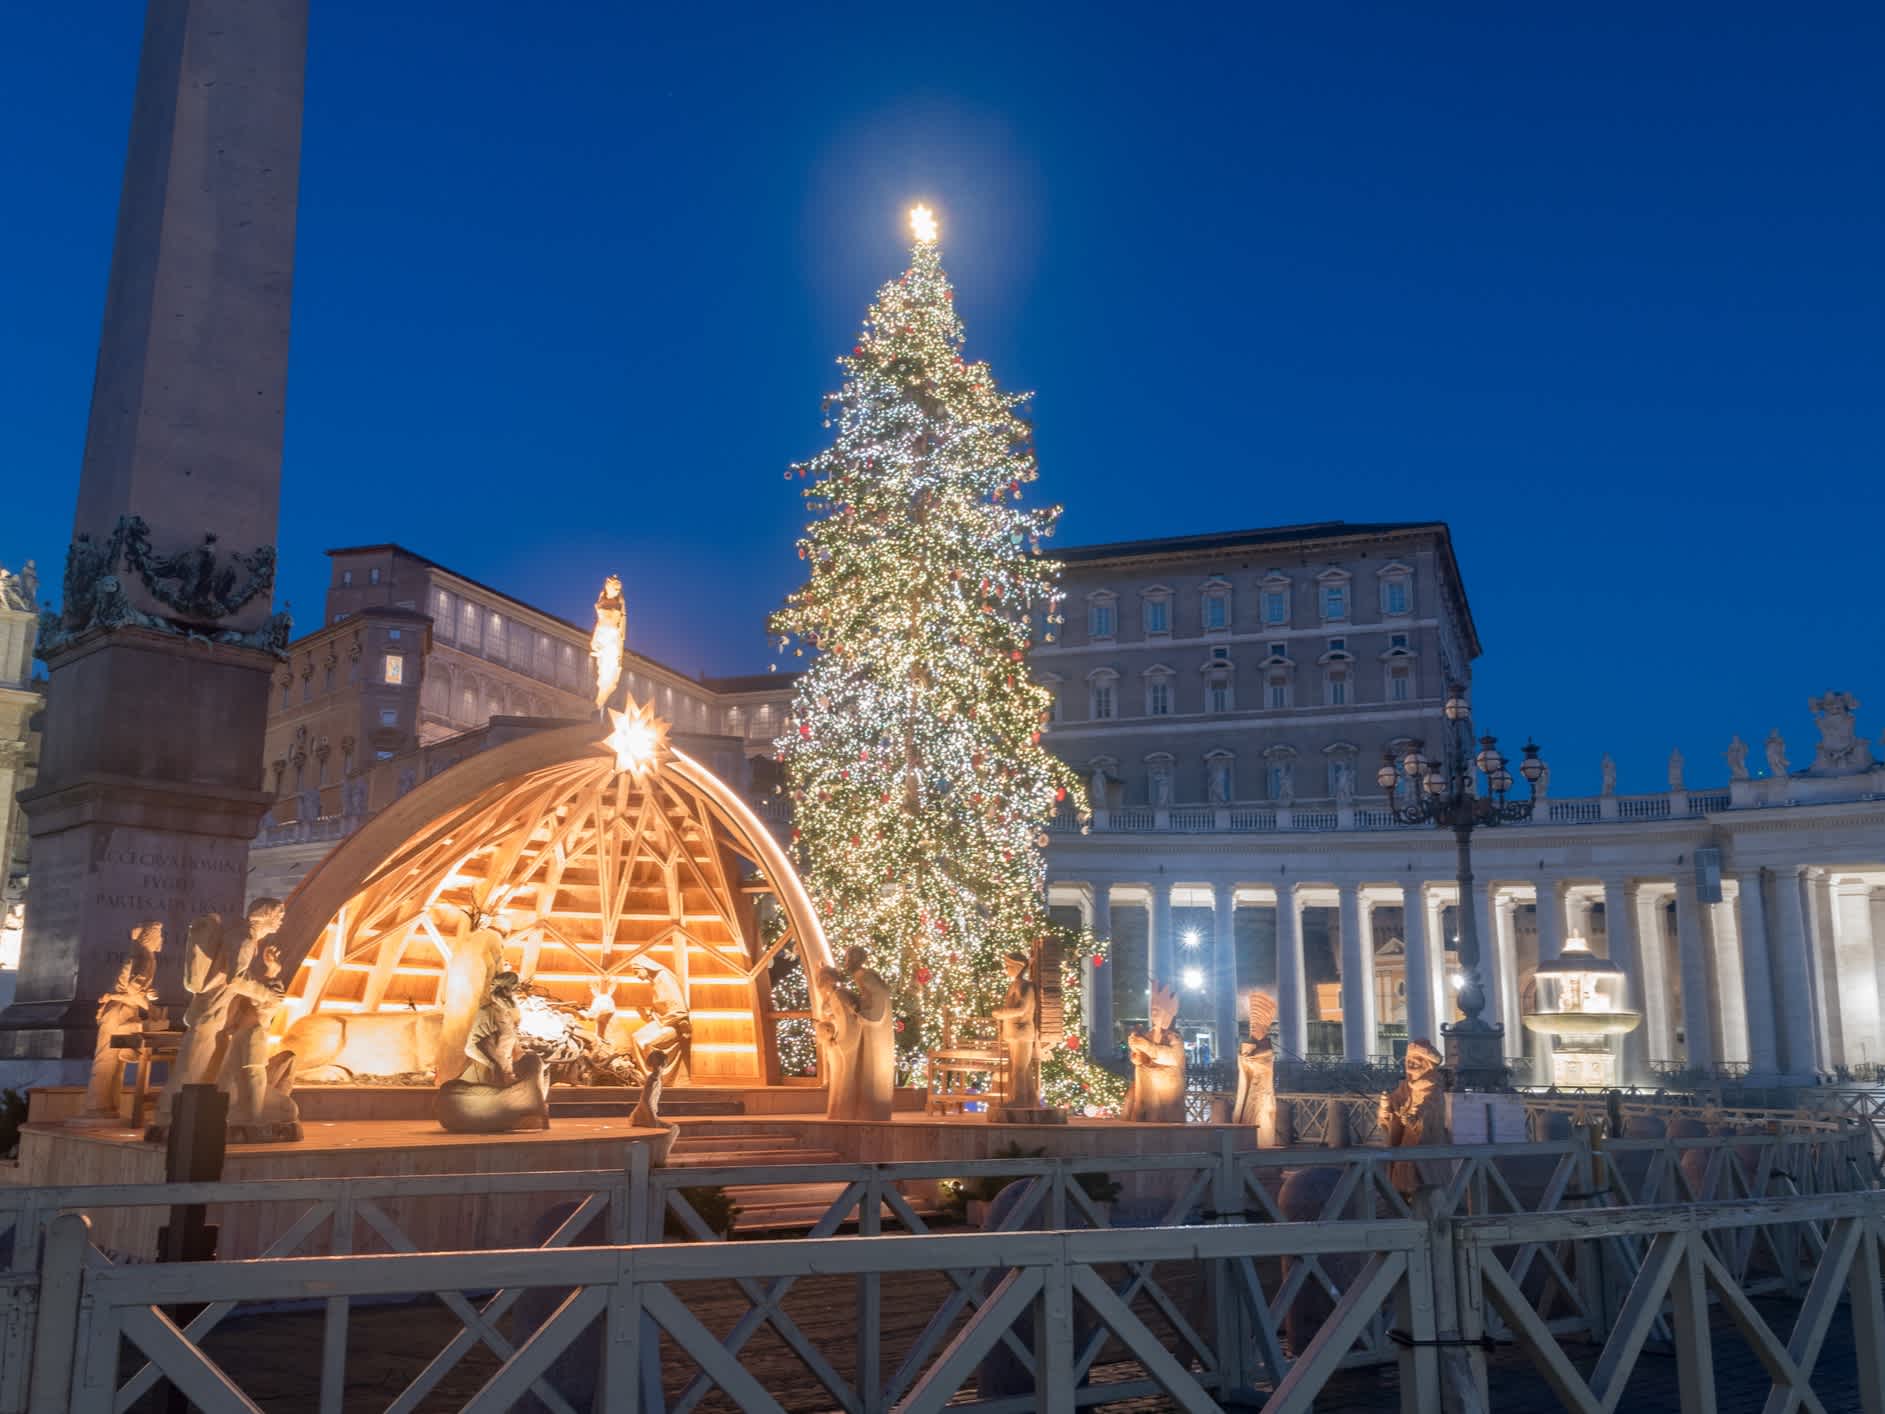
(275, 1357)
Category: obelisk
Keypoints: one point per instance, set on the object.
(160, 656)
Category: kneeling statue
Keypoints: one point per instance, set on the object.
(498, 1090)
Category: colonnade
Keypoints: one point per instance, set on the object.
(1777, 972)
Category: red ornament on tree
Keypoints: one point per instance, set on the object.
(1099, 959)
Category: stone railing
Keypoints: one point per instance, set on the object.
(328, 829)
(1326, 816)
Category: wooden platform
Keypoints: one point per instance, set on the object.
(54, 1154)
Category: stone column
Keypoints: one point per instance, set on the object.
(1292, 996)
(1721, 937)
(1100, 1043)
(1793, 975)
(1159, 940)
(1620, 900)
(1652, 949)
(1224, 989)
(1440, 988)
(1828, 1022)
(150, 782)
(1856, 983)
(1357, 979)
(1505, 934)
(1698, 994)
(1549, 910)
(1757, 976)
(1422, 1020)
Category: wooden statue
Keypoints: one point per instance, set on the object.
(498, 1089)
(1157, 1053)
(610, 638)
(666, 1027)
(1256, 1071)
(220, 970)
(123, 1009)
(477, 957)
(861, 1058)
(1019, 1036)
(647, 1113)
(1414, 1112)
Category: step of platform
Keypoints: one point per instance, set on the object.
(775, 1158)
(611, 1102)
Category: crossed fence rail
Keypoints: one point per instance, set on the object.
(1196, 1319)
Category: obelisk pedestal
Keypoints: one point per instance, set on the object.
(160, 658)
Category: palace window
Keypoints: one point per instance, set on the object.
(1214, 606)
(327, 679)
(468, 627)
(1157, 611)
(1276, 606)
(1397, 640)
(346, 578)
(442, 623)
(1217, 696)
(1338, 687)
(1334, 601)
(1158, 696)
(1397, 590)
(1400, 682)
(393, 669)
(389, 716)
(1102, 693)
(494, 637)
(373, 576)
(392, 635)
(287, 690)
(566, 668)
(1279, 689)
(1101, 620)
(307, 686)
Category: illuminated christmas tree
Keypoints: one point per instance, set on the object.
(919, 784)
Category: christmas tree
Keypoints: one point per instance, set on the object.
(919, 784)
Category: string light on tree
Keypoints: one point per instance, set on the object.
(920, 788)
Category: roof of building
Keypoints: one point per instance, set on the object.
(507, 598)
(750, 682)
(1266, 537)
(1241, 539)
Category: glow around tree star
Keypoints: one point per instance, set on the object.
(923, 224)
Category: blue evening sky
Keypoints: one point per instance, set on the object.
(1599, 285)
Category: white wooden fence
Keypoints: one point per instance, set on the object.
(1535, 1244)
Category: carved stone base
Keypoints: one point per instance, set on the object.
(1475, 1053)
(1003, 1114)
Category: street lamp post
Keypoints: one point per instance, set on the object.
(1445, 792)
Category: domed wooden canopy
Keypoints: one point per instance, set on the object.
(585, 867)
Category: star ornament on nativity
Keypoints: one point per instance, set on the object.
(638, 740)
